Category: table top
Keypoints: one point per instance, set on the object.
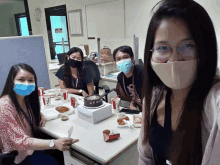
(91, 141)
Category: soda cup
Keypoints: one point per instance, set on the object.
(41, 91)
(65, 94)
(46, 100)
(115, 105)
(73, 102)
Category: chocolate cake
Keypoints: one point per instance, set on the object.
(92, 101)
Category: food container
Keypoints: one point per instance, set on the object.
(64, 117)
(137, 120)
(121, 115)
(70, 111)
(110, 135)
(50, 114)
(95, 115)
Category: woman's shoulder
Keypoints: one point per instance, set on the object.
(215, 90)
(212, 105)
(6, 104)
(5, 100)
(62, 68)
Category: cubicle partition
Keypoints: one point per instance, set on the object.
(29, 50)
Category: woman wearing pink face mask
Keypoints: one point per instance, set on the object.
(181, 92)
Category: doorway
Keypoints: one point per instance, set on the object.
(22, 24)
(57, 28)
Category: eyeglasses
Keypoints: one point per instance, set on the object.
(186, 49)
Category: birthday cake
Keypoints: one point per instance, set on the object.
(92, 101)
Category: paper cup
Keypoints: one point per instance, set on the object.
(115, 105)
(41, 91)
(46, 101)
(65, 94)
(73, 102)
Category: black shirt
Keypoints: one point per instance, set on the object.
(138, 81)
(160, 137)
(128, 82)
(82, 84)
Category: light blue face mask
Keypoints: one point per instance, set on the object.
(24, 89)
(124, 65)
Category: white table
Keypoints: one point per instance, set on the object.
(91, 142)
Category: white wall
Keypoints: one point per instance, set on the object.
(137, 18)
(7, 19)
(213, 9)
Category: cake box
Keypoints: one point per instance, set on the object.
(95, 115)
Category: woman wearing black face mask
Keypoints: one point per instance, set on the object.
(73, 77)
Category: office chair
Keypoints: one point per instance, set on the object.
(140, 62)
(61, 58)
(94, 70)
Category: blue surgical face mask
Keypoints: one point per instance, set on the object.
(124, 65)
(24, 89)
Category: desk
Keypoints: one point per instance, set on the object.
(91, 143)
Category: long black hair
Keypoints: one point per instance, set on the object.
(31, 101)
(67, 71)
(186, 147)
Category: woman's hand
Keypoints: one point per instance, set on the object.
(132, 107)
(64, 144)
(84, 93)
(43, 120)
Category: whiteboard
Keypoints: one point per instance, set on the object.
(29, 50)
(106, 20)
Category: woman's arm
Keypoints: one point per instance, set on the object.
(90, 87)
(70, 90)
(14, 136)
(60, 144)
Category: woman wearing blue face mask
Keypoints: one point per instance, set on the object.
(130, 79)
(19, 118)
(73, 77)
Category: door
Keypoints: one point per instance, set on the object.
(57, 29)
(21, 24)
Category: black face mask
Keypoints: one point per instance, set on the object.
(74, 63)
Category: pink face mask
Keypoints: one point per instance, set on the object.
(176, 75)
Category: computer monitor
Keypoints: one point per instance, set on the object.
(61, 58)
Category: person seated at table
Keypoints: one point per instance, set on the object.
(130, 80)
(20, 118)
(73, 77)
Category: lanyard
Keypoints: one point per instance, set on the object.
(76, 82)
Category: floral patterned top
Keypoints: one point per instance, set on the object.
(15, 133)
